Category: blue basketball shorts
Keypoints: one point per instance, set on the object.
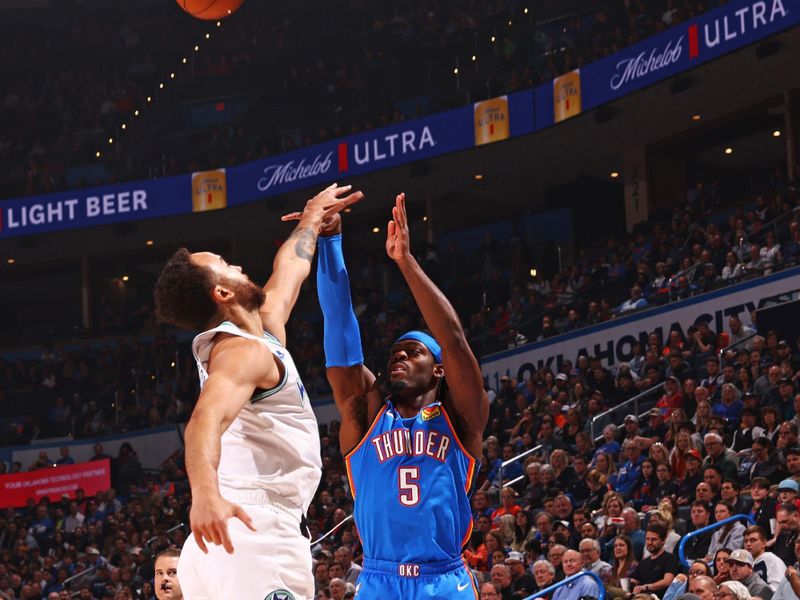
(442, 580)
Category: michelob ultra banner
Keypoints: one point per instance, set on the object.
(567, 95)
(209, 190)
(491, 121)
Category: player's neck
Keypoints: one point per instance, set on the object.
(249, 321)
(408, 407)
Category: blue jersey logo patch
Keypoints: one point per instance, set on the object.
(430, 412)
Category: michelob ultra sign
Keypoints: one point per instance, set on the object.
(491, 121)
(567, 95)
(209, 190)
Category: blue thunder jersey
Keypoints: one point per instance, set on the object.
(410, 479)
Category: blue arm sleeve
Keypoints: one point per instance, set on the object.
(342, 339)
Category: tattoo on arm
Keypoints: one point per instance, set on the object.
(305, 242)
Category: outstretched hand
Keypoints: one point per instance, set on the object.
(329, 226)
(398, 241)
(332, 200)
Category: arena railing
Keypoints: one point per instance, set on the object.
(733, 346)
(511, 461)
(332, 529)
(167, 532)
(634, 401)
(77, 576)
(681, 546)
(548, 590)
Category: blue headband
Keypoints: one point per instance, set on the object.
(426, 340)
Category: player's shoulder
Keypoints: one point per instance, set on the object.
(237, 351)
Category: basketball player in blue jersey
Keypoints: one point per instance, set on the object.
(411, 457)
(252, 443)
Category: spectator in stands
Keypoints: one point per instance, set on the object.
(703, 587)
(697, 547)
(629, 473)
(490, 591)
(624, 565)
(501, 577)
(728, 536)
(522, 583)
(788, 522)
(766, 564)
(65, 459)
(544, 573)
(344, 555)
(656, 572)
(166, 584)
(741, 564)
(590, 552)
(717, 457)
(578, 588)
(635, 302)
(722, 570)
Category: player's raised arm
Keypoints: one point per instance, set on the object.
(237, 367)
(344, 357)
(460, 365)
(293, 261)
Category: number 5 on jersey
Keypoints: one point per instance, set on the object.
(408, 484)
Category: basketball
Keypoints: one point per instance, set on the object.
(210, 10)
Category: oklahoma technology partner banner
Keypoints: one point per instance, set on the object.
(613, 341)
(91, 477)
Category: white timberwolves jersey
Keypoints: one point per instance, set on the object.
(273, 443)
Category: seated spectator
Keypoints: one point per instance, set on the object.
(717, 457)
(741, 564)
(703, 587)
(730, 405)
(732, 268)
(728, 536)
(768, 566)
(656, 572)
(544, 573)
(522, 583)
(635, 302)
(624, 565)
(681, 582)
(582, 587)
(628, 475)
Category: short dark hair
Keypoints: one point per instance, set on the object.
(168, 553)
(701, 504)
(757, 530)
(713, 468)
(659, 529)
(183, 293)
(760, 482)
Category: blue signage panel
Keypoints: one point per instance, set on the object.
(717, 32)
(356, 155)
(520, 110)
(96, 206)
(280, 174)
(728, 28)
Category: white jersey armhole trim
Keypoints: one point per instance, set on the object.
(272, 391)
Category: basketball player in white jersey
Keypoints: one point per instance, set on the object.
(252, 444)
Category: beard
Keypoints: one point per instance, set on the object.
(397, 386)
(251, 297)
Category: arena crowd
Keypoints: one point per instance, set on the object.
(713, 439)
(52, 123)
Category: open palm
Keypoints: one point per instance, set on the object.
(398, 242)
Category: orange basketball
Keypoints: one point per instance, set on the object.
(210, 10)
